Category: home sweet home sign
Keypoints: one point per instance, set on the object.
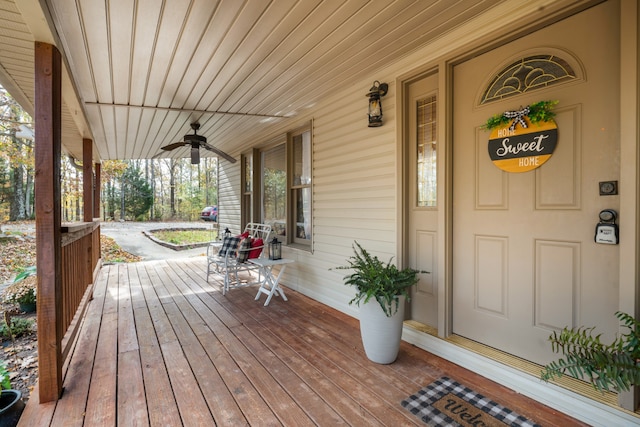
(523, 143)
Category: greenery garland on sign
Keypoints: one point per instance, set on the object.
(537, 112)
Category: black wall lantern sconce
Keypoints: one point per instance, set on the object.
(377, 91)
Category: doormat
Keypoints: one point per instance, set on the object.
(447, 403)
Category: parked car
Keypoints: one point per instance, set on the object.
(210, 213)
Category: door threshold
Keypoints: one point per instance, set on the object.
(577, 386)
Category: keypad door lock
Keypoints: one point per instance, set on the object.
(607, 229)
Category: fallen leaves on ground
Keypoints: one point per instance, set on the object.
(17, 253)
(111, 252)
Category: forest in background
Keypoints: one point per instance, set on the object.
(132, 190)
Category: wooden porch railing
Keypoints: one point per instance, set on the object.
(80, 264)
(80, 258)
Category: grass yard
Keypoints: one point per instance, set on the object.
(184, 237)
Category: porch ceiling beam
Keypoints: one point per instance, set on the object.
(187, 110)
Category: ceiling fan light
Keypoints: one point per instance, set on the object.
(195, 155)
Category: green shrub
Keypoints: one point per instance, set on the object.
(19, 327)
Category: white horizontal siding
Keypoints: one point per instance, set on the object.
(354, 194)
(229, 196)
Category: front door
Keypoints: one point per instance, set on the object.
(524, 258)
(422, 211)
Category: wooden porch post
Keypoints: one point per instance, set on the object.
(48, 105)
(87, 179)
(96, 191)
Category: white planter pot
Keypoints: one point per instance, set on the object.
(381, 335)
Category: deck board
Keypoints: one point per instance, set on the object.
(161, 404)
(132, 409)
(159, 345)
(101, 400)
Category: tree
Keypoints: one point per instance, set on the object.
(5, 186)
(135, 193)
(111, 172)
(275, 193)
(172, 186)
(16, 146)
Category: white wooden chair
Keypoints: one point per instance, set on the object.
(232, 255)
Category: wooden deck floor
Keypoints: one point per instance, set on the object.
(160, 346)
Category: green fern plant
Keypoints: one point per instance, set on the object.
(373, 278)
(615, 366)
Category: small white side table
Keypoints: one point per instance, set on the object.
(269, 284)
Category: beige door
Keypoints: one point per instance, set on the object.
(422, 210)
(524, 258)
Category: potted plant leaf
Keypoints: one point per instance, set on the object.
(11, 403)
(23, 290)
(615, 366)
(381, 292)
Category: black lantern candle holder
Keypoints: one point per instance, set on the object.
(275, 249)
(227, 232)
(377, 91)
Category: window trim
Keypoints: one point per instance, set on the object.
(292, 188)
(256, 195)
(253, 212)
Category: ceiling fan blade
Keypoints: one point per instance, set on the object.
(218, 152)
(174, 146)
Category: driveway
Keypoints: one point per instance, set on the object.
(130, 237)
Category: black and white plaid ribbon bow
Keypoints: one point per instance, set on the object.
(517, 117)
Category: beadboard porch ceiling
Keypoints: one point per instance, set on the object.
(140, 71)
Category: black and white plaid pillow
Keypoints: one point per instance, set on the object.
(229, 246)
(245, 248)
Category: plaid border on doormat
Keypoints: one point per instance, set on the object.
(443, 401)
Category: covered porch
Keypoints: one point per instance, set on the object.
(161, 346)
(124, 80)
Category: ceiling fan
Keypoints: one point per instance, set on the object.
(196, 141)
